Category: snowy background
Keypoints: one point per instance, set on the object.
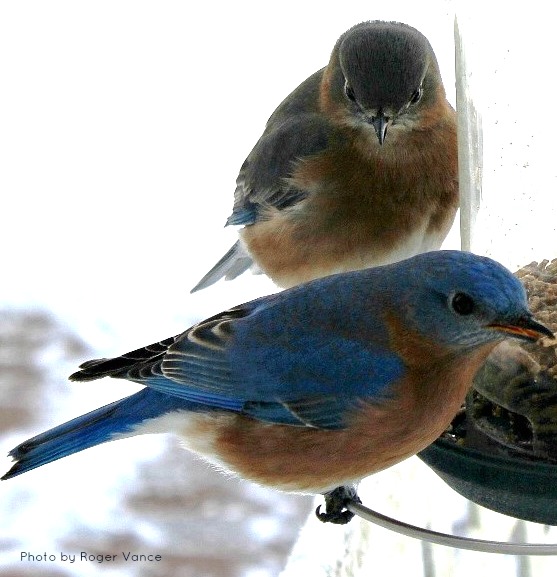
(122, 128)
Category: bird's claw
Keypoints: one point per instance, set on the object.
(335, 506)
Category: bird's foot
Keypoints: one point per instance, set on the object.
(335, 505)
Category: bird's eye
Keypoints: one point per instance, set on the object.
(349, 91)
(462, 304)
(417, 96)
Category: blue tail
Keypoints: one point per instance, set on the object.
(92, 429)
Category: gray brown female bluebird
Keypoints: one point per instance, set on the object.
(357, 167)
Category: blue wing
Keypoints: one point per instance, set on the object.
(295, 130)
(258, 359)
(263, 185)
(263, 182)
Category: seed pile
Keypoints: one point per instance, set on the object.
(540, 282)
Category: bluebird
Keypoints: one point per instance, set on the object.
(312, 389)
(357, 167)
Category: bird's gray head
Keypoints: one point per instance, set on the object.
(387, 72)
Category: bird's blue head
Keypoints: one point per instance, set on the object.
(461, 299)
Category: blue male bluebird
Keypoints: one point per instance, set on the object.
(357, 167)
(317, 386)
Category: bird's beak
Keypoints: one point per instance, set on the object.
(380, 122)
(524, 328)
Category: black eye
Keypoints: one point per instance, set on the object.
(348, 90)
(417, 96)
(462, 304)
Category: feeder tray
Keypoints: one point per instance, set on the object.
(515, 486)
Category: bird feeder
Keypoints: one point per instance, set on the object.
(501, 449)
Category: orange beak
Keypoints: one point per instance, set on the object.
(524, 328)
